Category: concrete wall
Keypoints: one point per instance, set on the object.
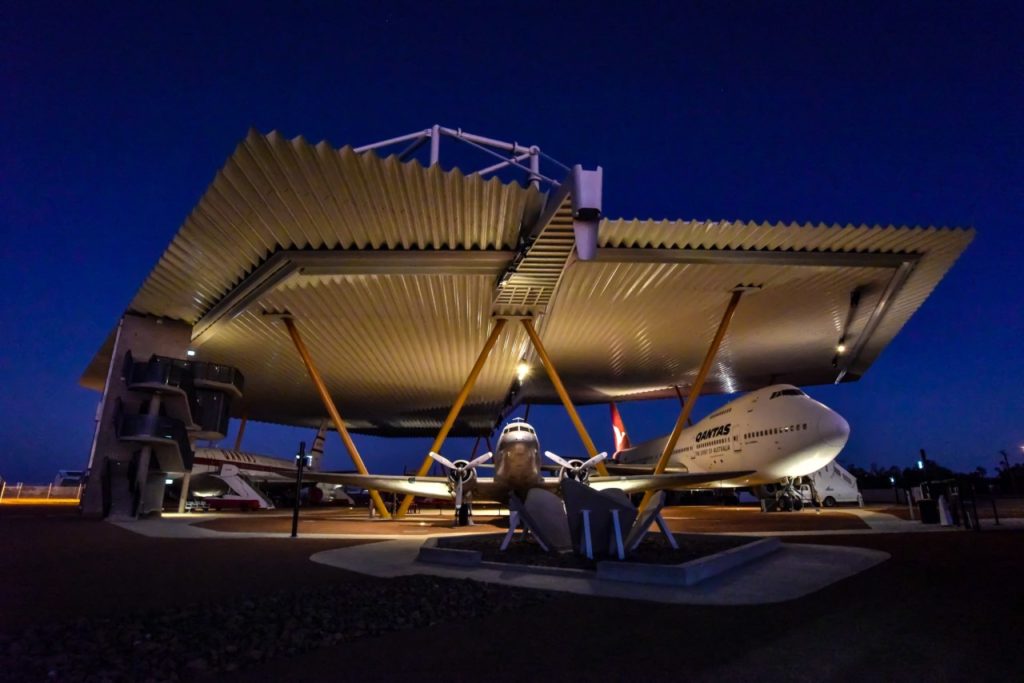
(112, 462)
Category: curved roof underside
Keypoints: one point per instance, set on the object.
(393, 273)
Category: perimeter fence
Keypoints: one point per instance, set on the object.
(28, 494)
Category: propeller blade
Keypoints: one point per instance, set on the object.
(458, 494)
(558, 460)
(593, 461)
(479, 461)
(443, 460)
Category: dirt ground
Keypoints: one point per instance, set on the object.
(947, 606)
(55, 565)
(987, 508)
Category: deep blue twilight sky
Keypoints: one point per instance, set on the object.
(115, 118)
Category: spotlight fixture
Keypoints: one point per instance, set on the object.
(522, 370)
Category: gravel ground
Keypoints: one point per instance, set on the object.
(946, 607)
(653, 550)
(212, 639)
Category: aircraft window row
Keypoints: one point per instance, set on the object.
(777, 430)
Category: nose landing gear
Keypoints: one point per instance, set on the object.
(783, 496)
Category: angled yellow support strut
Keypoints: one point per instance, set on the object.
(460, 401)
(549, 367)
(691, 397)
(328, 402)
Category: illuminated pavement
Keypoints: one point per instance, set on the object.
(326, 523)
(792, 572)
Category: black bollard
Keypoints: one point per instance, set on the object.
(992, 499)
(301, 462)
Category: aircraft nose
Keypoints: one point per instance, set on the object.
(833, 429)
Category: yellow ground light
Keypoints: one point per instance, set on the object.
(39, 501)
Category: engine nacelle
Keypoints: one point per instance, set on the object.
(576, 471)
(208, 486)
(461, 471)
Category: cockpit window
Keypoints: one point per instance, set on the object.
(518, 427)
(786, 392)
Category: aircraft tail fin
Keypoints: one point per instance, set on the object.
(317, 451)
(619, 431)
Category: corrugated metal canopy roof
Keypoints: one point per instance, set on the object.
(391, 271)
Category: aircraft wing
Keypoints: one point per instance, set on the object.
(616, 468)
(652, 482)
(483, 488)
(431, 487)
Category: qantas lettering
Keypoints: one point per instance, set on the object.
(713, 432)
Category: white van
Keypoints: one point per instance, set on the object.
(833, 484)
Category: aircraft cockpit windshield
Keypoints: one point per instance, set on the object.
(786, 392)
(518, 426)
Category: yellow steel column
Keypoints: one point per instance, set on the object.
(241, 431)
(460, 401)
(538, 345)
(691, 397)
(339, 424)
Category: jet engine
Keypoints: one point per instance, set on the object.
(208, 486)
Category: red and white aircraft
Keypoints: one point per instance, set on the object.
(232, 478)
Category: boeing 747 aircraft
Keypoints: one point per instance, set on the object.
(778, 434)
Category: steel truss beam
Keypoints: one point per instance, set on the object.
(517, 153)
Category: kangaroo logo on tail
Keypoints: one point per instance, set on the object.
(619, 430)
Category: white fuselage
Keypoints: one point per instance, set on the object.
(517, 463)
(255, 467)
(777, 432)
